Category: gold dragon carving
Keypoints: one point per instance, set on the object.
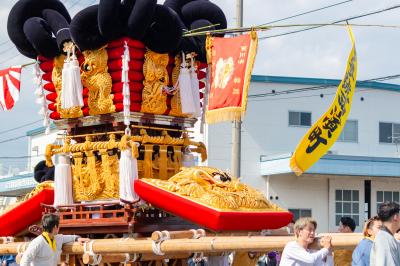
(56, 76)
(96, 78)
(95, 179)
(156, 77)
(215, 188)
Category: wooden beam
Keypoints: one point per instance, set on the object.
(203, 244)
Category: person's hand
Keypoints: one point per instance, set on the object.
(326, 242)
(397, 236)
(83, 240)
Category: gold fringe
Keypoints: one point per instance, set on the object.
(295, 168)
(249, 68)
(209, 45)
(224, 114)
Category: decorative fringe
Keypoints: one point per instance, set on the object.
(293, 165)
(185, 86)
(128, 173)
(224, 114)
(71, 93)
(125, 88)
(63, 181)
(205, 98)
(195, 88)
(41, 100)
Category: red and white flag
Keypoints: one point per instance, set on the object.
(9, 86)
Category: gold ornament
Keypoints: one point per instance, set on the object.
(96, 78)
(154, 101)
(176, 105)
(215, 188)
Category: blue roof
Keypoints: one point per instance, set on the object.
(319, 81)
(336, 165)
(39, 130)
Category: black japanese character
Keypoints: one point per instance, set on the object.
(315, 139)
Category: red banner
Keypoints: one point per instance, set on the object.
(231, 62)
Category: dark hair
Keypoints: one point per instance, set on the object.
(49, 221)
(348, 221)
(387, 210)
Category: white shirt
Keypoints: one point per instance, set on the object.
(295, 255)
(39, 252)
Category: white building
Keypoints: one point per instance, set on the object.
(361, 170)
(18, 185)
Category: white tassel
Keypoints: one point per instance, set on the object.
(47, 131)
(63, 181)
(125, 88)
(71, 92)
(185, 85)
(46, 122)
(41, 100)
(188, 160)
(195, 89)
(39, 92)
(128, 173)
(42, 111)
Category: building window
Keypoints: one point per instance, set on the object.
(389, 132)
(347, 205)
(383, 196)
(299, 119)
(299, 213)
(349, 132)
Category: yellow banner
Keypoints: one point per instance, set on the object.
(323, 134)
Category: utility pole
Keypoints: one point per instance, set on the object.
(237, 125)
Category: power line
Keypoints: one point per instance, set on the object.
(313, 88)
(21, 126)
(12, 139)
(20, 157)
(305, 13)
(335, 22)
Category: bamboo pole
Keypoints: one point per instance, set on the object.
(203, 244)
(157, 235)
(125, 257)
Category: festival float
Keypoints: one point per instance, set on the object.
(126, 81)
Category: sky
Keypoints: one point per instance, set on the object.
(318, 53)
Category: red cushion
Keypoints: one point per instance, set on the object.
(41, 58)
(47, 77)
(52, 107)
(116, 65)
(85, 92)
(55, 115)
(85, 111)
(25, 214)
(52, 97)
(134, 53)
(132, 75)
(49, 87)
(130, 42)
(201, 74)
(133, 87)
(135, 107)
(46, 66)
(135, 97)
(201, 84)
(209, 217)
